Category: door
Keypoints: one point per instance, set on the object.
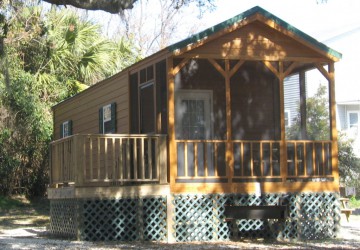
(193, 114)
(147, 109)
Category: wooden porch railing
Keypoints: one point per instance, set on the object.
(109, 159)
(206, 159)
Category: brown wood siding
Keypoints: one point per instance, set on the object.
(255, 40)
(83, 109)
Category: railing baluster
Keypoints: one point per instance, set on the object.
(128, 159)
(113, 146)
(91, 158)
(150, 150)
(251, 160)
(121, 162)
(106, 159)
(142, 159)
(216, 159)
(195, 153)
(98, 157)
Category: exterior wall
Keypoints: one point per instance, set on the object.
(83, 109)
(351, 133)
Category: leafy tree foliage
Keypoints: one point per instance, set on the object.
(317, 118)
(46, 56)
(349, 163)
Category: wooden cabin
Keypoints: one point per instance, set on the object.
(158, 151)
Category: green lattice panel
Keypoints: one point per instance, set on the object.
(319, 215)
(154, 217)
(63, 217)
(194, 218)
(201, 217)
(124, 219)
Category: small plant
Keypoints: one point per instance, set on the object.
(354, 202)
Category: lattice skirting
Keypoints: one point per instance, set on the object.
(64, 217)
(195, 218)
(201, 217)
(110, 219)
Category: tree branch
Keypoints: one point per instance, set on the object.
(111, 6)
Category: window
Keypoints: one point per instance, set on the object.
(107, 119)
(287, 118)
(66, 129)
(353, 119)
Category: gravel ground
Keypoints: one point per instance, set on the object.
(36, 238)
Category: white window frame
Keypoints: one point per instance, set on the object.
(192, 94)
(348, 119)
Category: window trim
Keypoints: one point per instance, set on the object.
(348, 118)
(112, 118)
(68, 124)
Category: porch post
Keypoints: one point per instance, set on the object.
(172, 157)
(229, 145)
(302, 79)
(283, 148)
(332, 103)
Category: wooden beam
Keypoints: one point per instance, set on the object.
(180, 65)
(236, 67)
(272, 69)
(245, 57)
(290, 68)
(217, 67)
(323, 71)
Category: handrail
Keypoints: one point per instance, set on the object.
(109, 159)
(252, 159)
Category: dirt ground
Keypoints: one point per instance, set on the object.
(37, 238)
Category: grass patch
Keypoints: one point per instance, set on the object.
(19, 211)
(7, 203)
(355, 202)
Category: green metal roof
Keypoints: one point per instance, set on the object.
(255, 10)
